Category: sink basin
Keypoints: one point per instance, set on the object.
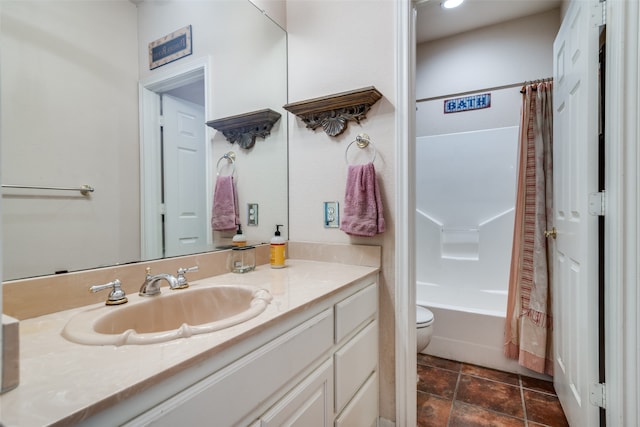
(171, 315)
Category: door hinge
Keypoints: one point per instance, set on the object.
(163, 209)
(597, 395)
(599, 14)
(597, 203)
(161, 120)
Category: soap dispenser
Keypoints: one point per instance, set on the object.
(277, 249)
(239, 239)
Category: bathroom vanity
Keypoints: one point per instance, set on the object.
(310, 358)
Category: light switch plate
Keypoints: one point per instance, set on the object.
(252, 214)
(331, 215)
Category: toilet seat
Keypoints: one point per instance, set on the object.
(424, 317)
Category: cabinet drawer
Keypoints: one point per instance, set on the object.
(356, 310)
(231, 394)
(362, 411)
(354, 363)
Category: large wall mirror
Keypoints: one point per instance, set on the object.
(81, 105)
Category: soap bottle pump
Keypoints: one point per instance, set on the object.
(239, 239)
(277, 249)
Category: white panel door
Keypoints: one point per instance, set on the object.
(184, 163)
(575, 163)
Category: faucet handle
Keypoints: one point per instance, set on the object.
(181, 271)
(182, 280)
(116, 296)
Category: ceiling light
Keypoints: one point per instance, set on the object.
(450, 4)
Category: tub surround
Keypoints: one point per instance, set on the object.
(64, 383)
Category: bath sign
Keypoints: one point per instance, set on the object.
(170, 47)
(467, 103)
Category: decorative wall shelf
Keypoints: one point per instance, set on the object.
(334, 112)
(244, 128)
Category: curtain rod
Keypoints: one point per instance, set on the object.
(535, 82)
(470, 92)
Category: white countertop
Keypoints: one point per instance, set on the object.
(62, 382)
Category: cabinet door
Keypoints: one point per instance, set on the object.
(230, 395)
(308, 404)
(362, 411)
(355, 362)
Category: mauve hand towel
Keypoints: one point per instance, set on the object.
(362, 202)
(225, 214)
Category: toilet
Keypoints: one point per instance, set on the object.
(424, 325)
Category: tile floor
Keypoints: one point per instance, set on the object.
(454, 394)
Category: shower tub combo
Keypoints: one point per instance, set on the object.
(465, 185)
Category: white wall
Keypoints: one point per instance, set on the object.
(248, 72)
(499, 54)
(336, 46)
(275, 9)
(43, 78)
(234, 35)
(502, 54)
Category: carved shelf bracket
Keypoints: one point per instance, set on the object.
(334, 112)
(244, 128)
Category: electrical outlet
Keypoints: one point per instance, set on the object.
(252, 214)
(331, 215)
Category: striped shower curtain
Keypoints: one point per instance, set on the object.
(528, 330)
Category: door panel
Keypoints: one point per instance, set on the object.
(184, 162)
(575, 160)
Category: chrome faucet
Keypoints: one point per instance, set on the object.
(182, 280)
(151, 285)
(116, 296)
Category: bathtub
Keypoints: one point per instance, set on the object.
(468, 326)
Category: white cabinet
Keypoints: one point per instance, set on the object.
(356, 359)
(356, 310)
(229, 395)
(355, 362)
(307, 405)
(321, 372)
(362, 411)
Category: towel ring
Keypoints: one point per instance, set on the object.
(362, 141)
(231, 158)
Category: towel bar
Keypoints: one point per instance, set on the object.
(229, 156)
(362, 141)
(84, 189)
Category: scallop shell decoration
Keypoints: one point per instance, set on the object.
(334, 126)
